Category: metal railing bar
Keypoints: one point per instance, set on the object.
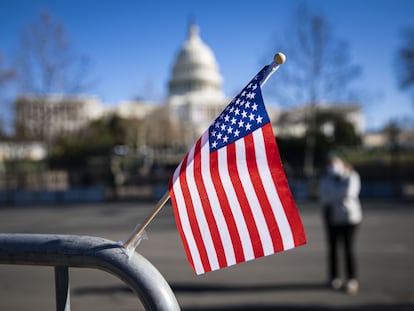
(91, 252)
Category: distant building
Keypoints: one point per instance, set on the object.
(294, 123)
(406, 139)
(48, 117)
(11, 150)
(135, 109)
(374, 139)
(378, 139)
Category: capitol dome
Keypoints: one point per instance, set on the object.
(195, 69)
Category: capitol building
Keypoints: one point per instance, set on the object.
(195, 88)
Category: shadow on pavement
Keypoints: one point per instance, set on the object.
(180, 288)
(189, 288)
(102, 290)
(197, 288)
(368, 307)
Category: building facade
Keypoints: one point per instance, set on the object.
(49, 117)
(294, 122)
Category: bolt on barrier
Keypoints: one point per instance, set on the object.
(64, 251)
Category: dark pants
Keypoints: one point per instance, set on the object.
(340, 240)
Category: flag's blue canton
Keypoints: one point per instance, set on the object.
(245, 113)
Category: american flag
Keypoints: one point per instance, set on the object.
(230, 195)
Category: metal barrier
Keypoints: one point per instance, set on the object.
(63, 251)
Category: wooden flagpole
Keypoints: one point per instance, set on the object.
(135, 236)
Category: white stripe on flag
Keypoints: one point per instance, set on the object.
(214, 201)
(270, 188)
(199, 212)
(252, 198)
(236, 209)
(182, 210)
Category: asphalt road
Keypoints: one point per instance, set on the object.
(292, 280)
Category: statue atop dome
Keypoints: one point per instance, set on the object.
(193, 31)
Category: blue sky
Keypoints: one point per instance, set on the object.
(133, 44)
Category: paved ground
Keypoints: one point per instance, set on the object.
(293, 280)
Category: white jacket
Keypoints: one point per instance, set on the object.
(341, 194)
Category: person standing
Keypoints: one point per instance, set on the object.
(339, 196)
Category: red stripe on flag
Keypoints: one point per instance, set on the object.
(282, 186)
(244, 203)
(180, 226)
(225, 206)
(212, 224)
(261, 194)
(195, 229)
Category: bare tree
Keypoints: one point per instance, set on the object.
(319, 69)
(405, 61)
(7, 74)
(46, 62)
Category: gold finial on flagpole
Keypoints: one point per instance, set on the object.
(279, 58)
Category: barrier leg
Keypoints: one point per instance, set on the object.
(62, 288)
